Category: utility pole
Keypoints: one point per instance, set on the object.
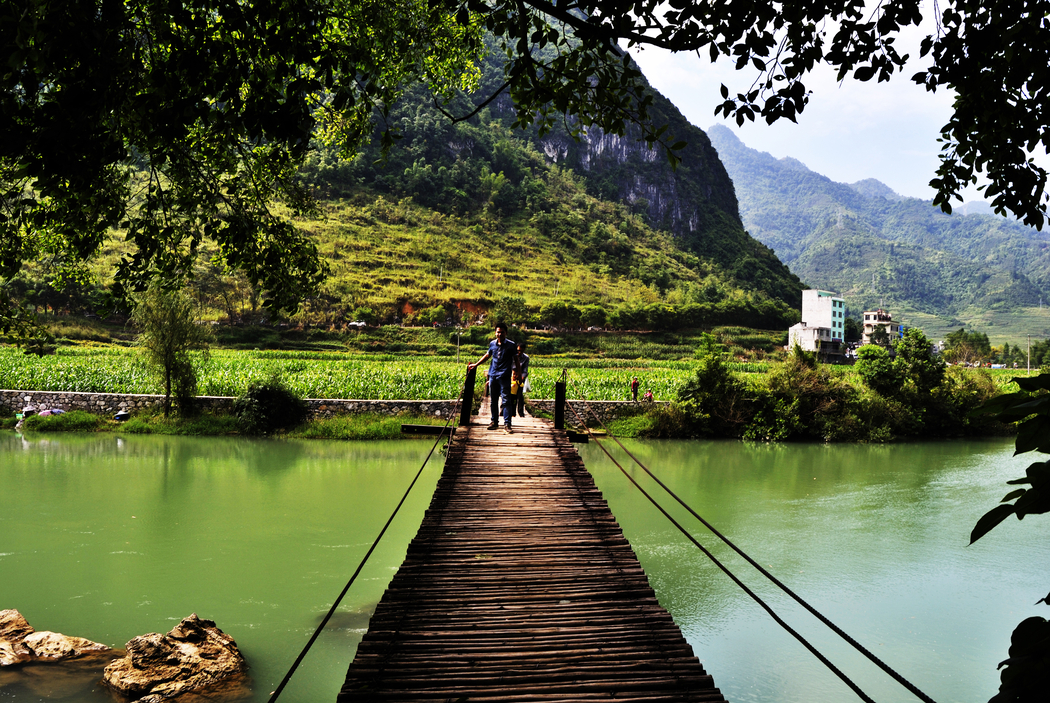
(1029, 355)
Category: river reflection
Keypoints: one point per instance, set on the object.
(874, 536)
(109, 537)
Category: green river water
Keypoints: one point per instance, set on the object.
(109, 537)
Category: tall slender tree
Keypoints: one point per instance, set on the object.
(168, 333)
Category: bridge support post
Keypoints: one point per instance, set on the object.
(468, 398)
(559, 405)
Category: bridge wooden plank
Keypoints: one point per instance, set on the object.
(519, 586)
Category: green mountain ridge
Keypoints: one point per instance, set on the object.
(878, 248)
(495, 180)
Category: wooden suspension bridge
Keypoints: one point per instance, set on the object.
(520, 586)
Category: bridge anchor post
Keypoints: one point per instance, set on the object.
(559, 405)
(468, 398)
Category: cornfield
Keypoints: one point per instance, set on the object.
(328, 375)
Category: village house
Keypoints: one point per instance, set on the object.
(823, 321)
(873, 320)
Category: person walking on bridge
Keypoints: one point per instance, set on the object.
(502, 352)
(521, 374)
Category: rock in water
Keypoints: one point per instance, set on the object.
(52, 645)
(20, 644)
(193, 656)
(13, 629)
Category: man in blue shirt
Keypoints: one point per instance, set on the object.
(502, 351)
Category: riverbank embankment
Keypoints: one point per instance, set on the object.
(13, 401)
(107, 404)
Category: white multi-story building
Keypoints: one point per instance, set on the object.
(821, 308)
(809, 338)
(874, 319)
(823, 323)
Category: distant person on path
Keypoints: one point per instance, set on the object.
(648, 397)
(634, 389)
(521, 372)
(502, 352)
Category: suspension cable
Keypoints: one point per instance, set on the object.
(754, 596)
(834, 628)
(331, 611)
(837, 630)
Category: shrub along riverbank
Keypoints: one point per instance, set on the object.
(910, 395)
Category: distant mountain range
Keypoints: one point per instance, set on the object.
(878, 248)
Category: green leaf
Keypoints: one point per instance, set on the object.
(994, 406)
(1033, 383)
(1033, 434)
(1035, 501)
(1012, 407)
(864, 73)
(989, 520)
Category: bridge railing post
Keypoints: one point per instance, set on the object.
(559, 405)
(468, 398)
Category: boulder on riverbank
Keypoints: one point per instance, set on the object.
(21, 644)
(195, 655)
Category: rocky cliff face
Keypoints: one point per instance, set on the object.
(628, 169)
(679, 199)
(649, 189)
(696, 201)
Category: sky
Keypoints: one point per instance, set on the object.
(848, 132)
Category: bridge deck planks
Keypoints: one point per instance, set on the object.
(520, 586)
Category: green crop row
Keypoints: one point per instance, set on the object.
(326, 375)
(608, 384)
(90, 373)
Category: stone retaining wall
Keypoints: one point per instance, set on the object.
(97, 403)
(605, 409)
(328, 407)
(111, 403)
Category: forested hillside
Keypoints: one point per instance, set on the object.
(459, 218)
(876, 247)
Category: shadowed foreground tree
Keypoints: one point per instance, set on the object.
(168, 333)
(1025, 674)
(180, 121)
(184, 121)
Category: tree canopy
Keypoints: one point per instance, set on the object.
(181, 120)
(992, 54)
(967, 346)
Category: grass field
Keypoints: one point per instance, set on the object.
(1014, 326)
